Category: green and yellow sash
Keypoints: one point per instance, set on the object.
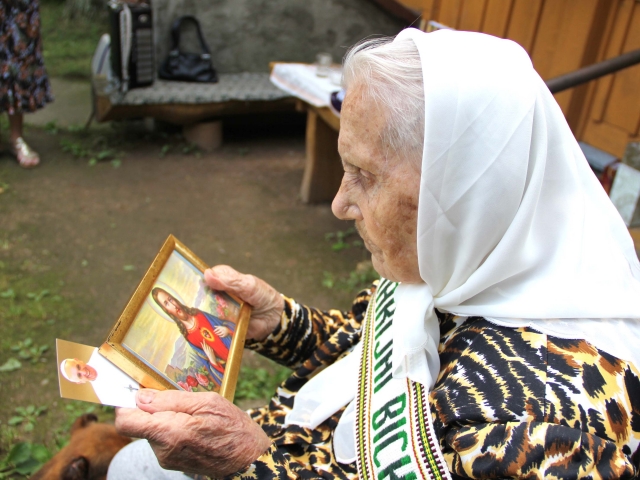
(394, 432)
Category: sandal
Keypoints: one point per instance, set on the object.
(26, 156)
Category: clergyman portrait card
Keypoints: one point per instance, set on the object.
(177, 333)
(84, 374)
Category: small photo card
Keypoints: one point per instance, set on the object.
(84, 374)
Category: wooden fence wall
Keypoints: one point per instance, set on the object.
(562, 36)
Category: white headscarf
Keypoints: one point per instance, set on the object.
(512, 223)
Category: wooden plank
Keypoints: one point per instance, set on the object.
(450, 12)
(472, 15)
(400, 11)
(623, 107)
(562, 36)
(607, 20)
(323, 168)
(497, 16)
(523, 24)
(635, 235)
(186, 113)
(580, 105)
(427, 10)
(607, 137)
(418, 5)
(561, 40)
(329, 118)
(614, 48)
(603, 128)
(433, 9)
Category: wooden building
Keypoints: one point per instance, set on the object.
(562, 36)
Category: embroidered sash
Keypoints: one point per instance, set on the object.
(395, 438)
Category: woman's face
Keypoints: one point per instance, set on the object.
(379, 192)
(171, 305)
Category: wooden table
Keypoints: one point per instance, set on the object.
(323, 167)
(635, 234)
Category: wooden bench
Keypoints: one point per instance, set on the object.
(183, 103)
(287, 30)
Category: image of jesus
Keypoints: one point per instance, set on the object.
(209, 336)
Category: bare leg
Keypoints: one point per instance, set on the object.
(15, 127)
(26, 157)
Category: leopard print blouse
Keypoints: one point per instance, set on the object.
(508, 403)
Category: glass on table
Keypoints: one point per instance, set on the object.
(323, 64)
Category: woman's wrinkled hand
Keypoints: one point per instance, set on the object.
(199, 433)
(267, 303)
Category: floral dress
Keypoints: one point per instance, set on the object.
(508, 402)
(24, 85)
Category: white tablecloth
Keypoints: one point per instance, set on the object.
(300, 80)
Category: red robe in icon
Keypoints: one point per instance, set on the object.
(202, 331)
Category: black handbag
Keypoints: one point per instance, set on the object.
(186, 66)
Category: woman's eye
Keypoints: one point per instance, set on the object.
(366, 174)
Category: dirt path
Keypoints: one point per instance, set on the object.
(86, 234)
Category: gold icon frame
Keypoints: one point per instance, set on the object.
(114, 350)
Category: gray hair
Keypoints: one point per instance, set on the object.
(391, 74)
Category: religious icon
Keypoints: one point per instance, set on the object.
(175, 332)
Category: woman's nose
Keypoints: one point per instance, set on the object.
(344, 207)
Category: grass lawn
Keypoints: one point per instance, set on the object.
(39, 302)
(69, 44)
(34, 310)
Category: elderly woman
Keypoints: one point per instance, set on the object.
(501, 341)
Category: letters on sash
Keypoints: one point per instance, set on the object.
(394, 431)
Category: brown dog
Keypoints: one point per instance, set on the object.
(88, 454)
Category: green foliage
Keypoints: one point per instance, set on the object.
(76, 408)
(27, 350)
(32, 313)
(164, 150)
(98, 151)
(106, 154)
(259, 383)
(10, 365)
(328, 279)
(74, 148)
(24, 458)
(181, 146)
(343, 239)
(69, 43)
(9, 293)
(37, 296)
(51, 127)
(27, 417)
(358, 279)
(75, 128)
(190, 148)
